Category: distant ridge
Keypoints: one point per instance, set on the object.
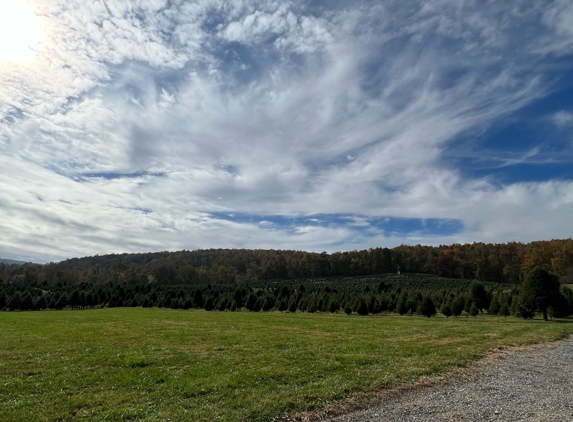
(11, 261)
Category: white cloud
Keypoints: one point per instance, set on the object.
(562, 118)
(265, 108)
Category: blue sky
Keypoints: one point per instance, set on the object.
(145, 125)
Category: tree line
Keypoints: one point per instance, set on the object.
(501, 263)
(403, 294)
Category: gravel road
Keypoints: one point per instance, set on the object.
(534, 384)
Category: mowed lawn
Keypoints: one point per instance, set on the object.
(162, 364)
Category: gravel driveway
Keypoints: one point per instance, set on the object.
(534, 384)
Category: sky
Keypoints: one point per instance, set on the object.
(152, 125)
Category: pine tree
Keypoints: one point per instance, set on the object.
(251, 301)
(458, 306)
(209, 305)
(494, 306)
(268, 303)
(446, 310)
(362, 308)
(504, 309)
(187, 303)
(539, 291)
(198, 298)
(479, 296)
(333, 307)
(222, 305)
(312, 307)
(292, 306)
(14, 302)
(402, 306)
(41, 303)
(427, 307)
(27, 302)
(62, 301)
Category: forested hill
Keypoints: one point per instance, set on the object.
(509, 262)
(11, 261)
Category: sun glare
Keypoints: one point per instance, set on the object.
(20, 31)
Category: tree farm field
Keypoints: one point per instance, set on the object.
(139, 364)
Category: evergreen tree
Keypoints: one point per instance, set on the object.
(494, 306)
(312, 307)
(187, 303)
(198, 298)
(446, 310)
(15, 302)
(402, 306)
(282, 305)
(479, 296)
(362, 308)
(539, 291)
(268, 303)
(74, 299)
(41, 303)
(458, 306)
(27, 302)
(90, 299)
(427, 307)
(251, 301)
(504, 309)
(222, 305)
(258, 304)
(333, 307)
(62, 301)
(209, 305)
(292, 306)
(382, 304)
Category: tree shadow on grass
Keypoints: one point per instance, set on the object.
(568, 320)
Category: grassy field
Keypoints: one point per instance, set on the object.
(161, 364)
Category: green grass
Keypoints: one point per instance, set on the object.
(160, 364)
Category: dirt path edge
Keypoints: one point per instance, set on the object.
(372, 398)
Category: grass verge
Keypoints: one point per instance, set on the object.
(160, 364)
